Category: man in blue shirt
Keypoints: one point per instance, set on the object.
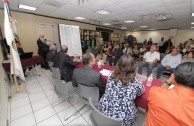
(169, 62)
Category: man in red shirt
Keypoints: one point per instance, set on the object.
(173, 107)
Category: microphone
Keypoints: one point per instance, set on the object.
(49, 41)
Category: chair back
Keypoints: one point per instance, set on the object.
(62, 89)
(50, 63)
(99, 119)
(56, 73)
(84, 92)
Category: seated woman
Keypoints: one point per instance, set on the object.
(121, 90)
(189, 57)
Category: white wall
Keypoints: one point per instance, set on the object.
(3, 94)
(182, 35)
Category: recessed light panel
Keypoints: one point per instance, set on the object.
(106, 24)
(103, 12)
(27, 7)
(129, 21)
(79, 18)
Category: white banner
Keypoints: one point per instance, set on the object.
(70, 36)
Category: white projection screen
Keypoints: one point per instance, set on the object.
(70, 36)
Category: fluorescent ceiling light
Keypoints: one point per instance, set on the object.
(192, 22)
(143, 26)
(27, 7)
(152, 29)
(79, 18)
(102, 12)
(123, 27)
(192, 14)
(129, 21)
(106, 24)
(192, 27)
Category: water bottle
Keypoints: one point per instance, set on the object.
(149, 80)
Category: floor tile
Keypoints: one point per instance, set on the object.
(51, 121)
(32, 85)
(35, 90)
(62, 106)
(48, 86)
(27, 120)
(78, 121)
(19, 95)
(44, 113)
(86, 115)
(66, 114)
(38, 96)
(74, 99)
(80, 105)
(19, 102)
(54, 98)
(21, 111)
(36, 105)
(48, 92)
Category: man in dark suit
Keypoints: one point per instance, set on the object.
(43, 49)
(87, 76)
(65, 64)
(51, 54)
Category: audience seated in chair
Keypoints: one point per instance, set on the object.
(173, 107)
(189, 57)
(121, 90)
(65, 64)
(87, 76)
(51, 54)
(150, 60)
(169, 62)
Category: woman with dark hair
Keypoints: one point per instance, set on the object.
(121, 90)
(173, 107)
(189, 57)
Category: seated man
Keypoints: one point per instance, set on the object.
(87, 76)
(65, 64)
(173, 107)
(51, 54)
(150, 60)
(169, 62)
(19, 48)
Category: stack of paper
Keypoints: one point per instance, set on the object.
(105, 72)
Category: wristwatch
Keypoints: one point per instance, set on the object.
(168, 83)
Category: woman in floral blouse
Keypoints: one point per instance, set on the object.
(121, 90)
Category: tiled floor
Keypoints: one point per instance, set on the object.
(35, 108)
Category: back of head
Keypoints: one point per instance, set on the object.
(64, 49)
(52, 47)
(184, 74)
(125, 70)
(87, 58)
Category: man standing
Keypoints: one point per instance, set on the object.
(150, 42)
(43, 49)
(117, 53)
(169, 62)
(87, 76)
(173, 107)
(65, 64)
(150, 60)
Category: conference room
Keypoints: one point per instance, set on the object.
(97, 62)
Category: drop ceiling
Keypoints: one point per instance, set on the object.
(143, 12)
